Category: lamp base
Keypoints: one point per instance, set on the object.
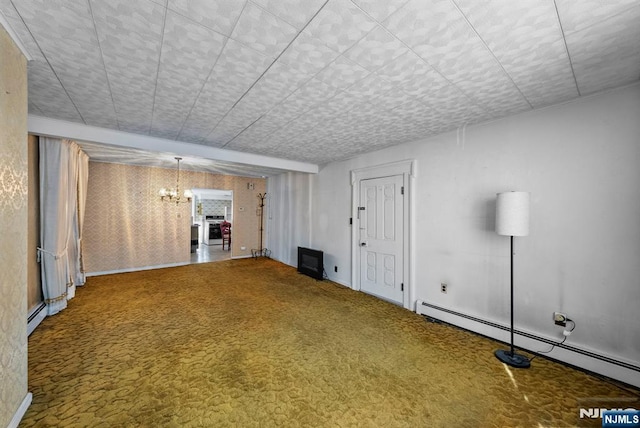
(514, 360)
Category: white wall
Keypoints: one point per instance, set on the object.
(288, 215)
(581, 163)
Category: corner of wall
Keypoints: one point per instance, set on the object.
(13, 229)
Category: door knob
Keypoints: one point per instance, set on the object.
(363, 244)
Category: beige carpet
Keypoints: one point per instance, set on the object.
(251, 343)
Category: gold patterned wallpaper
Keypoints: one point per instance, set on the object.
(127, 226)
(13, 228)
(34, 285)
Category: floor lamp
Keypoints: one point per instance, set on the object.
(512, 219)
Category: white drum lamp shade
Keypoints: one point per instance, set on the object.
(512, 214)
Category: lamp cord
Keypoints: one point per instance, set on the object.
(573, 327)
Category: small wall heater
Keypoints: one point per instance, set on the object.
(310, 262)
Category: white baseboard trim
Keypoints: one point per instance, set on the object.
(19, 414)
(241, 257)
(339, 281)
(136, 269)
(35, 317)
(590, 360)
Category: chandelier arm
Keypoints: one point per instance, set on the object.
(178, 180)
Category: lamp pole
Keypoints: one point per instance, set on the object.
(512, 219)
(512, 352)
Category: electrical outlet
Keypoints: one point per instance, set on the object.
(560, 319)
(443, 287)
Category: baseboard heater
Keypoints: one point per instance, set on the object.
(531, 336)
(35, 317)
(36, 311)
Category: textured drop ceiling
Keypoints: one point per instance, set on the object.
(315, 80)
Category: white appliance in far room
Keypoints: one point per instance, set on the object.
(212, 233)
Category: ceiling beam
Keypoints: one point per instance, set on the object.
(76, 131)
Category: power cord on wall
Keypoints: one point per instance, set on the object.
(566, 333)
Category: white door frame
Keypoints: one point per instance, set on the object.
(407, 169)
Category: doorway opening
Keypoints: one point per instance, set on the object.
(211, 210)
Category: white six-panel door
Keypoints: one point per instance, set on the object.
(380, 219)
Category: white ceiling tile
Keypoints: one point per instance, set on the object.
(34, 109)
(392, 98)
(609, 76)
(607, 54)
(308, 121)
(268, 124)
(370, 88)
(418, 19)
(342, 73)
(340, 24)
(18, 26)
(335, 106)
(130, 44)
(490, 89)
(312, 93)
(196, 133)
(46, 92)
(527, 40)
(79, 66)
(546, 83)
(449, 101)
(237, 63)
(579, 15)
(412, 75)
(262, 31)
(380, 10)
(259, 130)
(276, 84)
(219, 15)
(222, 134)
(236, 70)
(323, 89)
(376, 49)
(307, 54)
(405, 67)
(177, 86)
(295, 12)
(302, 100)
(546, 95)
(413, 108)
(438, 32)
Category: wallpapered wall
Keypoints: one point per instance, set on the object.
(34, 286)
(128, 227)
(215, 206)
(13, 228)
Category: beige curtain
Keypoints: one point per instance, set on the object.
(60, 222)
(83, 180)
